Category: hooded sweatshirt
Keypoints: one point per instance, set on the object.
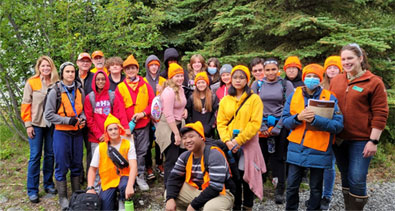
(172, 53)
(296, 82)
(148, 78)
(95, 118)
(113, 84)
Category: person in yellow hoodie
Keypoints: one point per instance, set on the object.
(113, 179)
(238, 122)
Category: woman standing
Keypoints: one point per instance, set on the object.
(168, 128)
(202, 105)
(40, 135)
(363, 101)
(225, 82)
(63, 108)
(213, 73)
(196, 65)
(273, 92)
(238, 122)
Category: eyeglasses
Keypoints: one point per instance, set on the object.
(257, 70)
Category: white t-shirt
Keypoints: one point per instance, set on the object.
(96, 155)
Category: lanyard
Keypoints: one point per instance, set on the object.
(72, 100)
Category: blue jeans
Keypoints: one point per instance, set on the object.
(352, 165)
(68, 150)
(329, 179)
(43, 137)
(295, 174)
(109, 197)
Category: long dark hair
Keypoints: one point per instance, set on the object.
(359, 52)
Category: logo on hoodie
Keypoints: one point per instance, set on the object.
(103, 107)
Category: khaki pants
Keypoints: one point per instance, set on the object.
(188, 193)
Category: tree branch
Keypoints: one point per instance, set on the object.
(13, 126)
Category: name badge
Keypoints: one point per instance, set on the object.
(357, 88)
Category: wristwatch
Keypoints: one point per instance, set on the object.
(375, 142)
(90, 188)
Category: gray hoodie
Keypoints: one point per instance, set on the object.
(152, 81)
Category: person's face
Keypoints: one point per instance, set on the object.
(292, 72)
(192, 141)
(131, 71)
(100, 81)
(45, 68)
(153, 69)
(257, 71)
(196, 65)
(271, 72)
(350, 61)
(84, 64)
(178, 79)
(69, 74)
(332, 71)
(211, 64)
(98, 61)
(113, 131)
(201, 85)
(115, 68)
(311, 75)
(239, 80)
(225, 77)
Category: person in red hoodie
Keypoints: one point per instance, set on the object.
(97, 106)
(132, 105)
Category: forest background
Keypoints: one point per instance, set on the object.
(235, 31)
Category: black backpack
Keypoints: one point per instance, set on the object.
(80, 200)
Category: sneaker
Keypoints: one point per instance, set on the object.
(325, 201)
(161, 170)
(150, 174)
(34, 198)
(142, 183)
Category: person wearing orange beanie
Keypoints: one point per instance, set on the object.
(332, 68)
(293, 71)
(202, 105)
(113, 179)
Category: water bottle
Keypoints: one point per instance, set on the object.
(129, 206)
(230, 155)
(132, 124)
(271, 148)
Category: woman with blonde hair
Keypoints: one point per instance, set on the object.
(38, 131)
(196, 65)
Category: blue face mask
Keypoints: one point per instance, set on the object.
(212, 70)
(312, 83)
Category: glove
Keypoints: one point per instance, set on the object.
(73, 121)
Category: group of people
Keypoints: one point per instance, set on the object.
(222, 129)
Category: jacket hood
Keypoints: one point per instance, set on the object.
(147, 61)
(106, 86)
(170, 53)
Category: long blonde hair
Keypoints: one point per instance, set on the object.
(191, 74)
(170, 83)
(54, 73)
(197, 103)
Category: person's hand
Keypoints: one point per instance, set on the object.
(369, 150)
(82, 122)
(190, 208)
(170, 205)
(91, 191)
(129, 192)
(230, 145)
(73, 120)
(30, 132)
(266, 133)
(159, 88)
(185, 114)
(306, 115)
(177, 139)
(138, 116)
(235, 144)
(101, 139)
(128, 133)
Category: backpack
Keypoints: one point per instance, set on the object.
(92, 99)
(80, 200)
(156, 109)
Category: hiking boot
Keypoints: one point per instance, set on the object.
(150, 174)
(62, 191)
(325, 201)
(75, 183)
(161, 170)
(357, 202)
(346, 196)
(51, 190)
(142, 183)
(279, 194)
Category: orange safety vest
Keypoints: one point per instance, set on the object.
(206, 177)
(66, 109)
(318, 140)
(141, 100)
(160, 82)
(26, 113)
(107, 170)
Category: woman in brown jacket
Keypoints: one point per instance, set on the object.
(363, 101)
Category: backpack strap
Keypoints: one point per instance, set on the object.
(284, 84)
(112, 97)
(92, 99)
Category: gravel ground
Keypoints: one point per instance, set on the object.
(382, 196)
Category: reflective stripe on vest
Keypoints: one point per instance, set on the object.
(66, 106)
(318, 140)
(107, 170)
(141, 100)
(206, 177)
(160, 82)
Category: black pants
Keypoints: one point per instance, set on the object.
(87, 145)
(244, 195)
(148, 157)
(276, 162)
(171, 155)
